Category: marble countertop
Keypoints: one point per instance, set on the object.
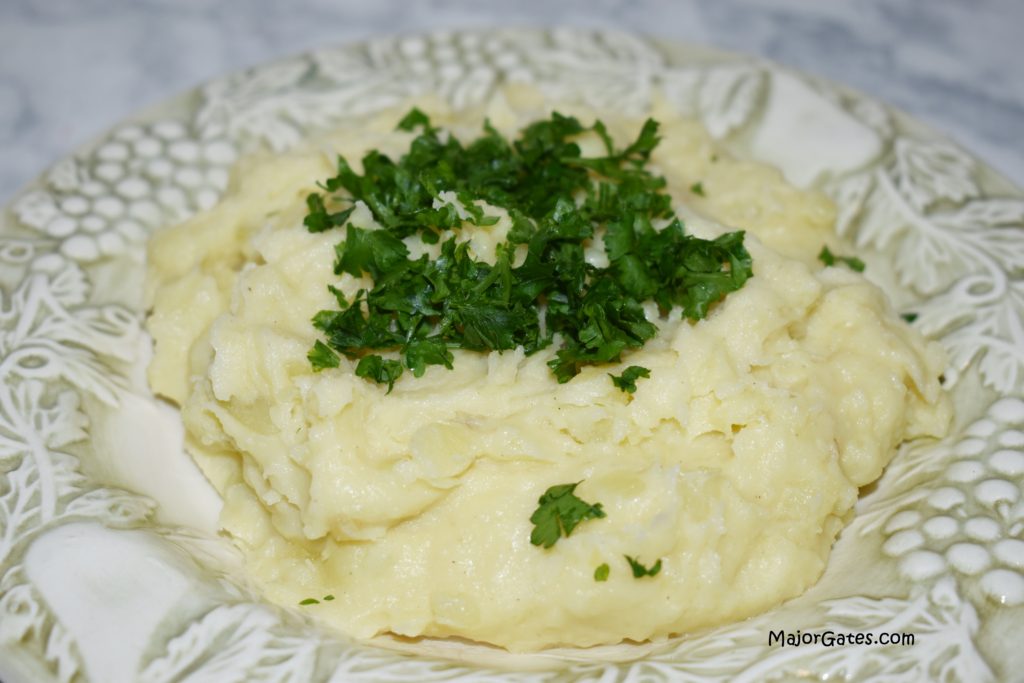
(69, 69)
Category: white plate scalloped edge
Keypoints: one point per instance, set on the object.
(110, 568)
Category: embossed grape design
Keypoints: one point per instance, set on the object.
(139, 178)
(971, 523)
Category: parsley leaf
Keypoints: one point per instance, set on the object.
(379, 370)
(559, 511)
(602, 572)
(318, 219)
(373, 251)
(309, 601)
(423, 352)
(321, 356)
(698, 189)
(627, 380)
(415, 118)
(909, 317)
(640, 571)
(830, 259)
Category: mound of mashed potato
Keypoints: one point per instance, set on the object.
(735, 464)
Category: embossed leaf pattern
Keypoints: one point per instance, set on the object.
(740, 653)
(36, 208)
(880, 216)
(980, 318)
(925, 173)
(604, 70)
(943, 626)
(19, 508)
(850, 195)
(11, 447)
(45, 340)
(65, 175)
(116, 507)
(25, 621)
(992, 226)
(240, 642)
(211, 552)
(374, 665)
(246, 109)
(889, 206)
(235, 104)
(924, 204)
(998, 328)
(728, 96)
(963, 241)
(723, 653)
(55, 421)
(37, 486)
(619, 51)
(49, 337)
(279, 108)
(864, 214)
(61, 651)
(22, 612)
(66, 281)
(376, 75)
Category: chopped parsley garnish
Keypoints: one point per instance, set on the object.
(909, 317)
(830, 259)
(559, 511)
(318, 219)
(328, 598)
(698, 189)
(602, 572)
(379, 369)
(321, 356)
(640, 571)
(627, 380)
(309, 601)
(559, 202)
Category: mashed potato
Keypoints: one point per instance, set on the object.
(736, 463)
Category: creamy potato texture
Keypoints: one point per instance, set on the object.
(736, 463)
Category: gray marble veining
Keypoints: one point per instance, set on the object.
(69, 69)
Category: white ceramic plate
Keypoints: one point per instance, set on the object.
(110, 566)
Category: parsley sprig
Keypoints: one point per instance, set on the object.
(829, 259)
(640, 571)
(627, 380)
(558, 512)
(559, 201)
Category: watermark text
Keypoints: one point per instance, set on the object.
(785, 638)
